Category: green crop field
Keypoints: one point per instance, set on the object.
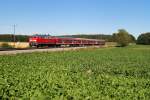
(88, 74)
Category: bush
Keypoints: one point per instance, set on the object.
(144, 39)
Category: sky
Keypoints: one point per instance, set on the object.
(66, 17)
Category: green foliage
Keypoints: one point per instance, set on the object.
(123, 38)
(132, 39)
(6, 37)
(95, 74)
(9, 38)
(144, 39)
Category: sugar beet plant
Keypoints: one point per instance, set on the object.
(90, 74)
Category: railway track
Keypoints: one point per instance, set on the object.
(30, 50)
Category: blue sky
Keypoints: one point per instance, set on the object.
(59, 17)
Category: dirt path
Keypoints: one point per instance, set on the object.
(41, 50)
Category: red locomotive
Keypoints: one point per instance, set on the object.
(45, 40)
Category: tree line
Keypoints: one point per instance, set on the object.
(11, 38)
(122, 37)
(108, 38)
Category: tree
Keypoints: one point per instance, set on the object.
(132, 39)
(144, 39)
(123, 38)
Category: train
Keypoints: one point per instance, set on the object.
(53, 41)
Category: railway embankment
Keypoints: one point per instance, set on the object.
(17, 51)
